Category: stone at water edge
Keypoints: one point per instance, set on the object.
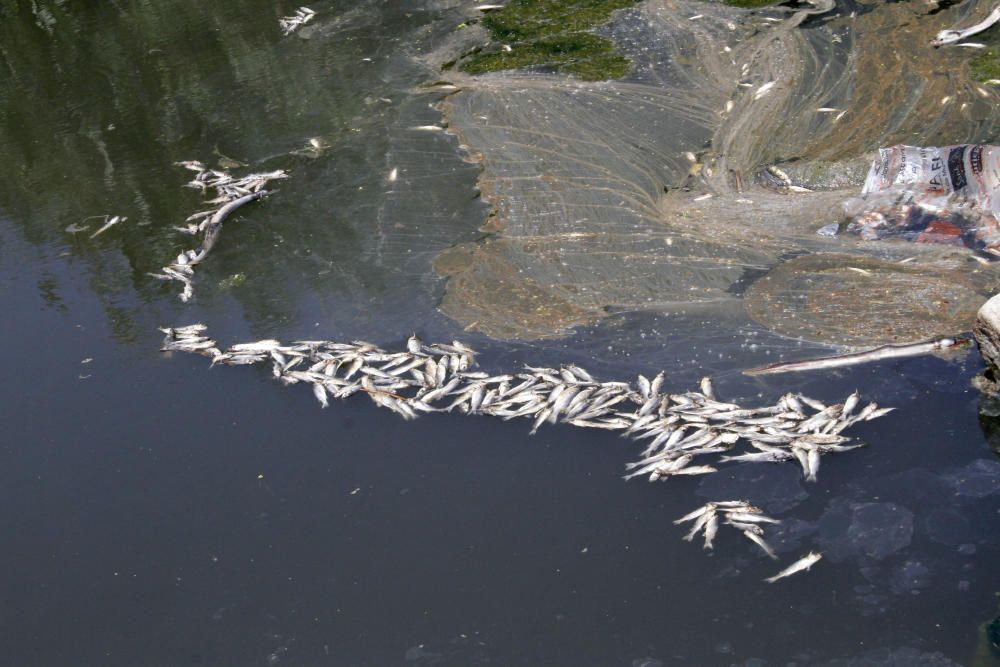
(987, 331)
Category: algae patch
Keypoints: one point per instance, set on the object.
(986, 65)
(552, 34)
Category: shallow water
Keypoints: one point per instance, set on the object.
(162, 513)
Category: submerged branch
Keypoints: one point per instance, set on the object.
(864, 357)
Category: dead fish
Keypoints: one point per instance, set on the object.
(711, 529)
(691, 516)
(707, 389)
(733, 505)
(763, 90)
(803, 563)
(109, 224)
(812, 460)
(581, 374)
(694, 470)
(662, 467)
(751, 517)
(754, 537)
(319, 391)
(759, 457)
(850, 404)
(644, 386)
(700, 523)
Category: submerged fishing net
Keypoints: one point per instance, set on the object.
(652, 193)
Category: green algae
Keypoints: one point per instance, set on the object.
(552, 34)
(986, 65)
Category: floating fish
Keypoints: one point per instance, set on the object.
(800, 565)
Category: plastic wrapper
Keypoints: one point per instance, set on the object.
(947, 194)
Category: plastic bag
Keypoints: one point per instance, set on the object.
(948, 194)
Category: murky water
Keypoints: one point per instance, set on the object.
(161, 513)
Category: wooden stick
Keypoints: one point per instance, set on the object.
(863, 357)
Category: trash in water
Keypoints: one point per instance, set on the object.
(947, 194)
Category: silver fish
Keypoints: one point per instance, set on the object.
(755, 537)
(319, 391)
(691, 516)
(751, 517)
(711, 528)
(644, 386)
(803, 563)
(707, 389)
(813, 464)
(702, 520)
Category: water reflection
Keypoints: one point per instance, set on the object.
(99, 101)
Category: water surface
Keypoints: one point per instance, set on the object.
(162, 513)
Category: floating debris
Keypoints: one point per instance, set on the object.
(290, 24)
(865, 356)
(231, 194)
(438, 378)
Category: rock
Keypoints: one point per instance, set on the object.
(987, 331)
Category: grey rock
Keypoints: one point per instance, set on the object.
(987, 331)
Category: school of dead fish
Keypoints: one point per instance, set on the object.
(687, 433)
(290, 24)
(230, 194)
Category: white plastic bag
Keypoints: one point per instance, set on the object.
(947, 194)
